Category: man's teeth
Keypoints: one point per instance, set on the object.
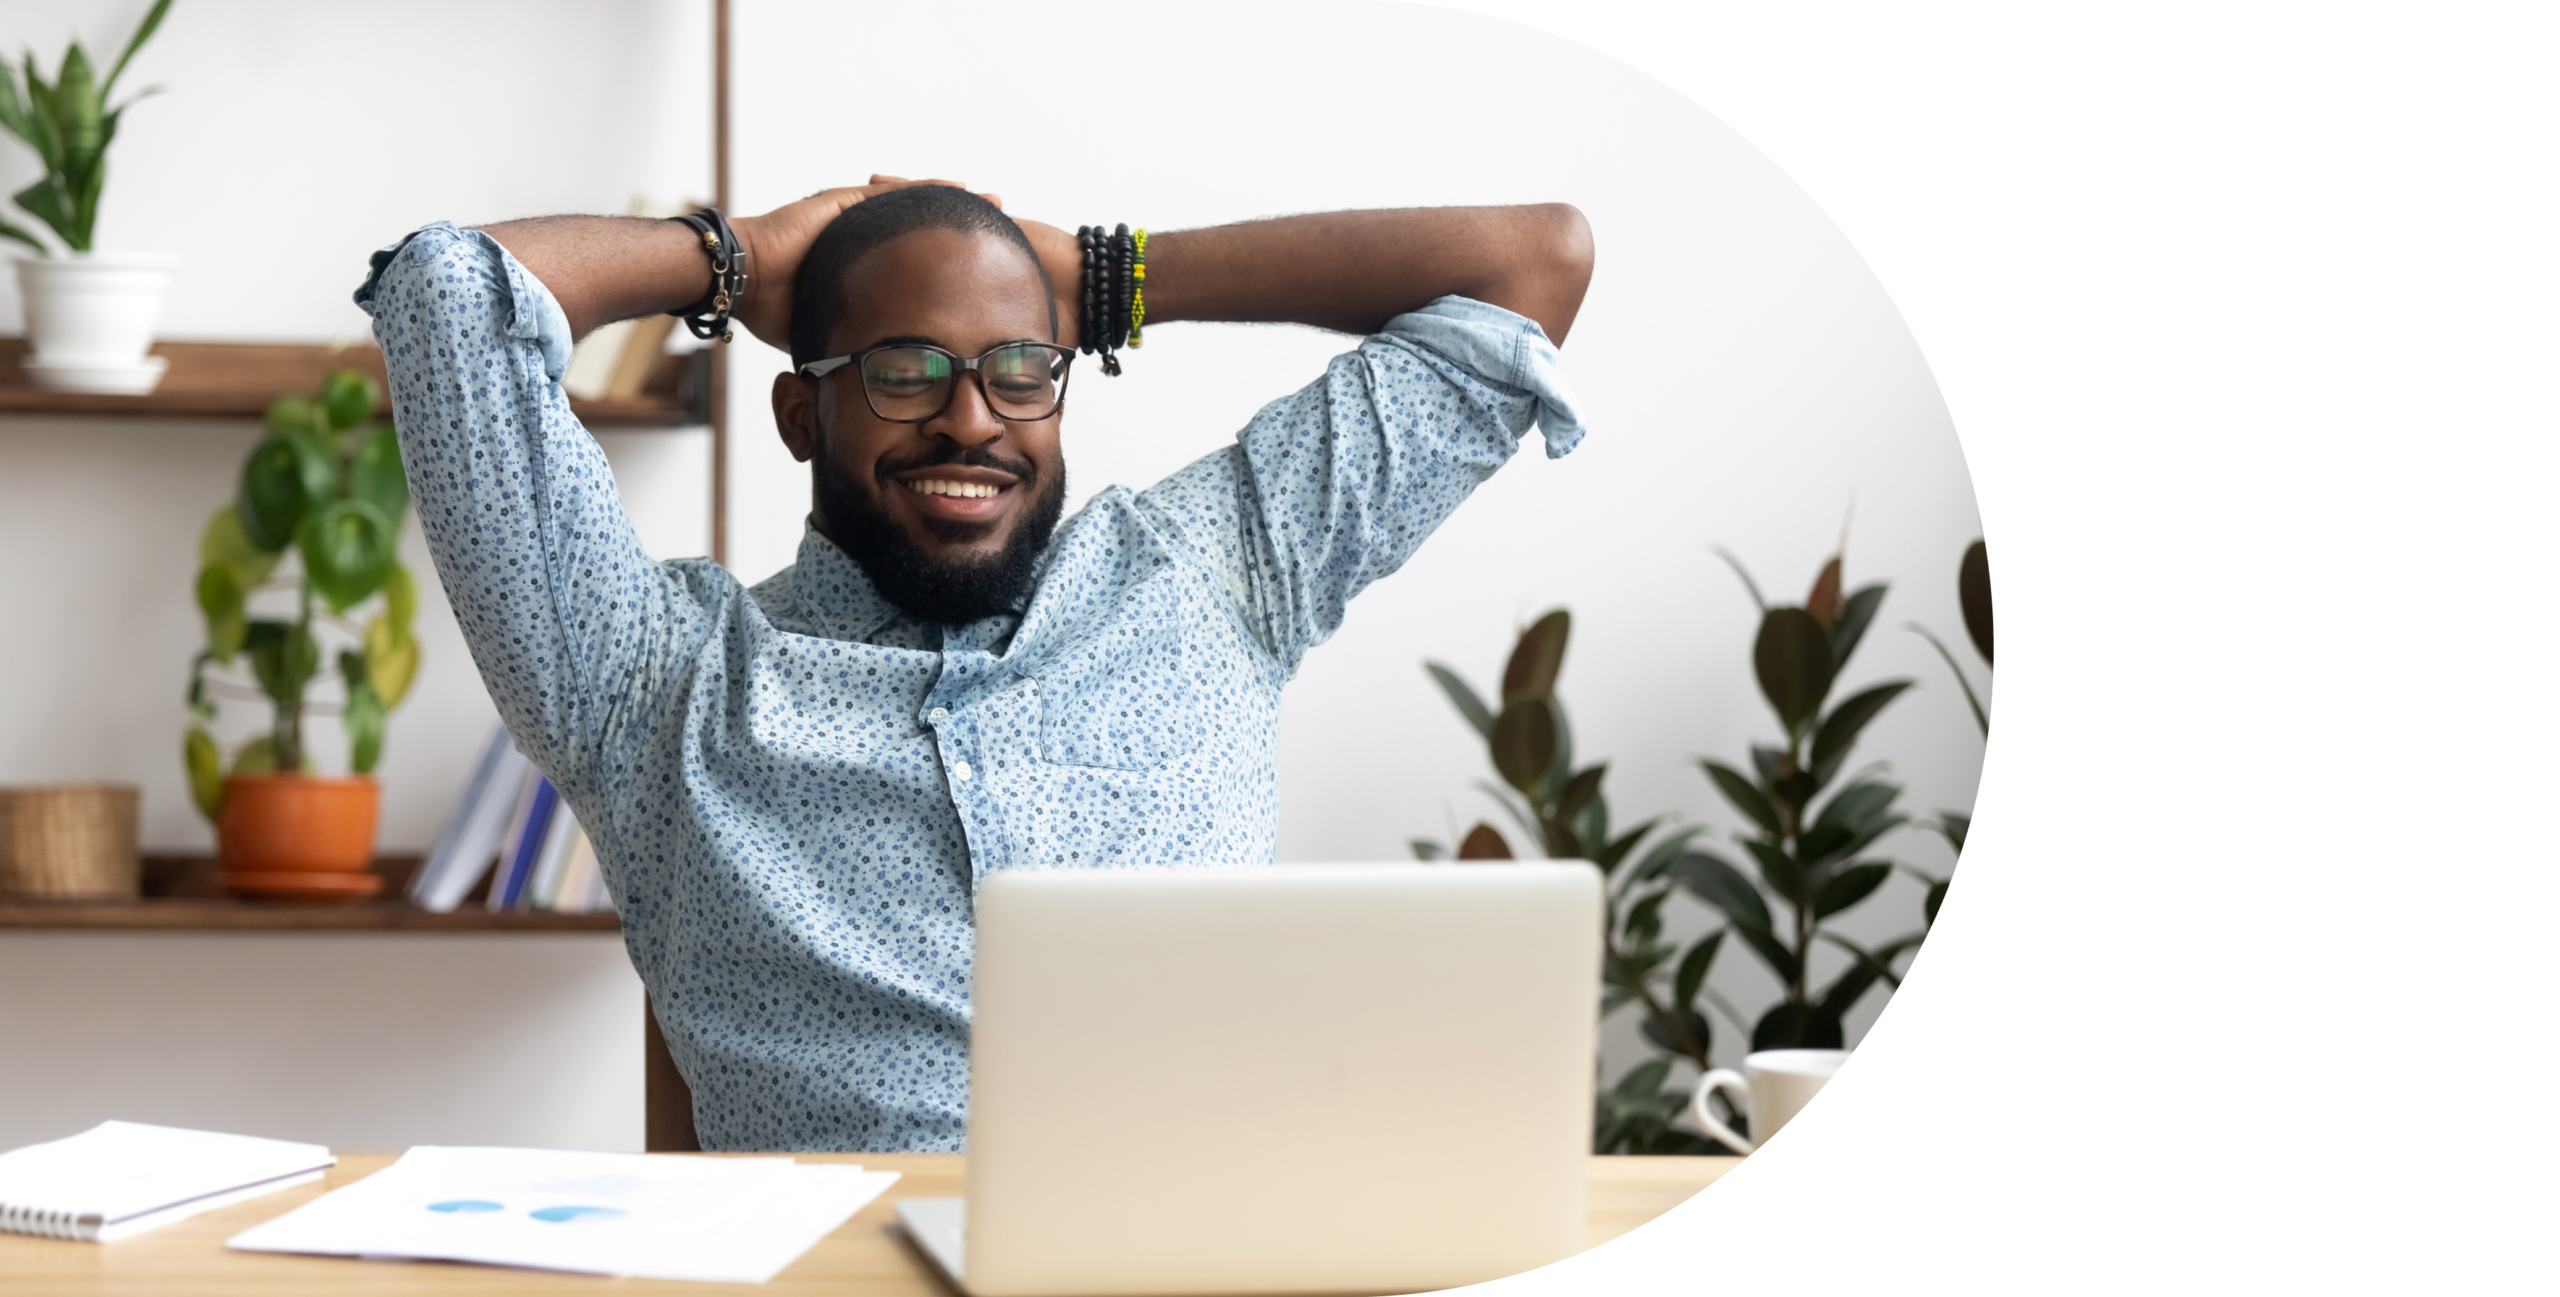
(965, 490)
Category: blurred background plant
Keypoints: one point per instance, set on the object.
(69, 125)
(315, 526)
(1973, 596)
(1564, 814)
(1810, 845)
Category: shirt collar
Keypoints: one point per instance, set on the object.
(838, 595)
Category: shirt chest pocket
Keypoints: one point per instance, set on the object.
(1122, 697)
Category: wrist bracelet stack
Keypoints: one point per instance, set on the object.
(708, 318)
(1115, 266)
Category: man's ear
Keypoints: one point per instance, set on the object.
(795, 415)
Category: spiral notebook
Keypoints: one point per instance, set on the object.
(120, 1178)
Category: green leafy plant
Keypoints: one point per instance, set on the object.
(315, 524)
(1807, 840)
(1807, 849)
(1563, 812)
(69, 125)
(1973, 596)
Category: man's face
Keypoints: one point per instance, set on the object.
(946, 516)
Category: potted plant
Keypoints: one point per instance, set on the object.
(90, 314)
(1810, 852)
(300, 572)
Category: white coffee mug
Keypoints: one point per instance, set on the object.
(1772, 1087)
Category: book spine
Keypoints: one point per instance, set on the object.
(528, 848)
(458, 824)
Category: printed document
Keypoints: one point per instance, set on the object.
(736, 1220)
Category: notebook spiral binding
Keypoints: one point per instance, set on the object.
(46, 1222)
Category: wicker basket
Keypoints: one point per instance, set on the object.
(71, 840)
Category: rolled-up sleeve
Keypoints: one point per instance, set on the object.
(567, 617)
(1336, 485)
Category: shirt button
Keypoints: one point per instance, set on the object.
(960, 770)
(937, 714)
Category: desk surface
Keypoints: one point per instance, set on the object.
(1670, 1224)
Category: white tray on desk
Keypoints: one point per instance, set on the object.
(2159, 1103)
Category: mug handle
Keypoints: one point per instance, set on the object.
(1732, 1083)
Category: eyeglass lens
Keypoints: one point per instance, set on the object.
(915, 383)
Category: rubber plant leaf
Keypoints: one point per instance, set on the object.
(1615, 850)
(1839, 730)
(204, 772)
(1794, 1024)
(1691, 1021)
(1848, 887)
(1792, 657)
(1463, 698)
(1715, 880)
(1694, 967)
(1779, 870)
(1537, 658)
(1973, 592)
(225, 544)
(374, 475)
(391, 661)
(1855, 616)
(1745, 795)
(1483, 842)
(1524, 743)
(1579, 790)
(1658, 858)
(1882, 960)
(350, 396)
(226, 610)
(348, 550)
(284, 482)
(1823, 602)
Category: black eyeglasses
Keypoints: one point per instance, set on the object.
(911, 382)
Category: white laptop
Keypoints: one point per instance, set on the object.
(1307, 1078)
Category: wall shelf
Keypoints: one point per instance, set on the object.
(179, 895)
(223, 380)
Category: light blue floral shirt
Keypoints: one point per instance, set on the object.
(794, 789)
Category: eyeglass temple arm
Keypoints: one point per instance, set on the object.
(822, 368)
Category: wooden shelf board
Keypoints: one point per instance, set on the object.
(180, 894)
(225, 380)
(222, 915)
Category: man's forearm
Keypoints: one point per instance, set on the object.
(607, 268)
(1354, 271)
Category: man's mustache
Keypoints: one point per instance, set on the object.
(948, 453)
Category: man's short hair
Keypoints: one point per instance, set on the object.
(817, 295)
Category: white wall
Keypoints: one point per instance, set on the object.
(297, 136)
(366, 1043)
(294, 138)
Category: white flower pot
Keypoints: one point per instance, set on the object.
(90, 317)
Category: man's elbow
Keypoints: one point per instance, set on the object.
(1560, 254)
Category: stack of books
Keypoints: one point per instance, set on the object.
(511, 827)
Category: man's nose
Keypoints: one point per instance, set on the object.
(967, 420)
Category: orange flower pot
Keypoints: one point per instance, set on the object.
(297, 824)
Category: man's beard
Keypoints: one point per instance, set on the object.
(950, 592)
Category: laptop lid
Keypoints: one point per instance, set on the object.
(1294, 1079)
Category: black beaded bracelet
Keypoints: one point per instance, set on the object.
(708, 317)
(1107, 290)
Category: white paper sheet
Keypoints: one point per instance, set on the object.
(736, 1220)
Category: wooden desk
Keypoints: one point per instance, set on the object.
(1667, 1226)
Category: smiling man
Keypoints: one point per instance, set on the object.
(795, 788)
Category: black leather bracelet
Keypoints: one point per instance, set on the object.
(708, 317)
